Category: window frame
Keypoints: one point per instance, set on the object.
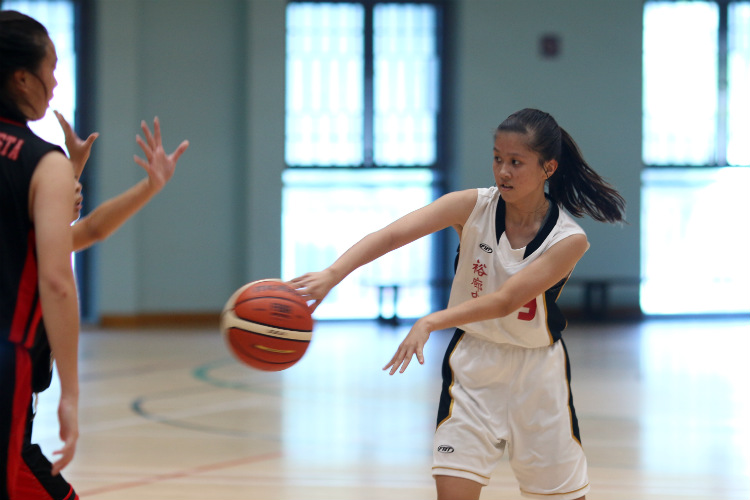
(440, 168)
(722, 133)
(439, 165)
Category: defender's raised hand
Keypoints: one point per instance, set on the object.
(78, 149)
(158, 164)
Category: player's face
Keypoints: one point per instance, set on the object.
(78, 201)
(516, 168)
(42, 84)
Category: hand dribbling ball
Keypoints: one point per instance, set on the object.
(267, 325)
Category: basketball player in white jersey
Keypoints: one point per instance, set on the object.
(506, 377)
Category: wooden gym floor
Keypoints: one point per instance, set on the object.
(664, 409)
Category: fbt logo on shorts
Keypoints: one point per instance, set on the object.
(444, 448)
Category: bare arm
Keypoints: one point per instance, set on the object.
(51, 196)
(110, 215)
(449, 210)
(539, 276)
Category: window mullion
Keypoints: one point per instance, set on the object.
(723, 79)
(369, 86)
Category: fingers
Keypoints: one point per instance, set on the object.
(157, 130)
(90, 140)
(140, 162)
(180, 149)
(67, 129)
(147, 150)
(147, 133)
(403, 358)
(152, 145)
(66, 456)
(61, 120)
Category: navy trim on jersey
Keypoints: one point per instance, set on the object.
(500, 218)
(556, 321)
(550, 219)
(549, 223)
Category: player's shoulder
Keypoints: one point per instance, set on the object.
(567, 224)
(466, 197)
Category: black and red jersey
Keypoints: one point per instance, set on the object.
(20, 311)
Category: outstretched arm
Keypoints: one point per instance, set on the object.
(542, 274)
(449, 210)
(110, 215)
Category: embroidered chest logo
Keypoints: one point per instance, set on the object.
(480, 271)
(485, 247)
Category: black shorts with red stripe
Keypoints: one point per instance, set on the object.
(35, 480)
(15, 397)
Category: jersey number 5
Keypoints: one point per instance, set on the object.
(529, 312)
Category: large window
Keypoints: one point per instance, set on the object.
(362, 125)
(696, 124)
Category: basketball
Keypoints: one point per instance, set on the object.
(267, 325)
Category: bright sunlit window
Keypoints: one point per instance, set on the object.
(680, 82)
(696, 124)
(362, 107)
(406, 85)
(738, 105)
(694, 245)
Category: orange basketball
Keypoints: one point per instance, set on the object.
(267, 325)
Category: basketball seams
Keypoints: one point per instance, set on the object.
(296, 302)
(244, 354)
(231, 320)
(272, 334)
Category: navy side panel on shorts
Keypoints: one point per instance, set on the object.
(573, 417)
(444, 407)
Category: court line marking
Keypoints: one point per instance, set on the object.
(158, 478)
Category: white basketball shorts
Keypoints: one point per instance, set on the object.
(498, 394)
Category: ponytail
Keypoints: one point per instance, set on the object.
(574, 185)
(578, 188)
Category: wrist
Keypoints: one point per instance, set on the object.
(428, 323)
(334, 275)
(153, 186)
(69, 396)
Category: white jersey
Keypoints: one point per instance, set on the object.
(486, 260)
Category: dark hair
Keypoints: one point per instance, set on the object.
(23, 45)
(574, 185)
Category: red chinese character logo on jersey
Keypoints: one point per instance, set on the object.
(476, 283)
(479, 269)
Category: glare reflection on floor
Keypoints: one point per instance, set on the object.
(340, 385)
(696, 395)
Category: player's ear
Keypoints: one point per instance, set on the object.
(549, 168)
